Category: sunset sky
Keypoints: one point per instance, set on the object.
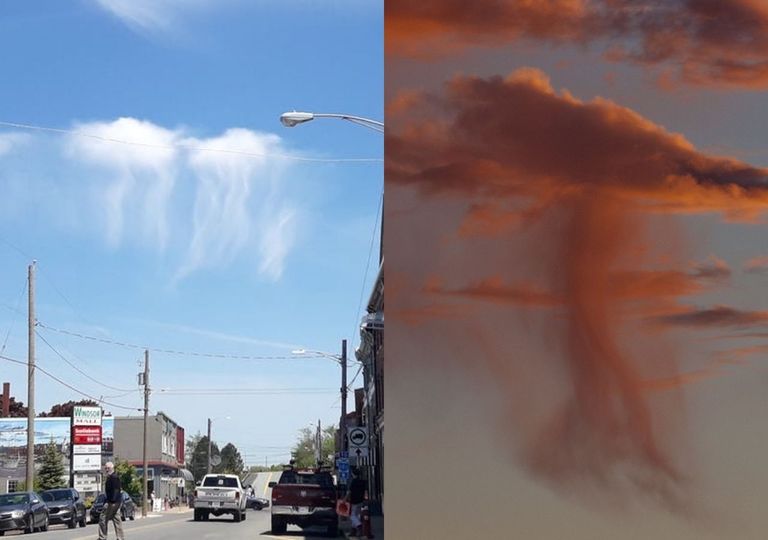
(577, 267)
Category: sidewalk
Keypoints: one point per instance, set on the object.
(377, 527)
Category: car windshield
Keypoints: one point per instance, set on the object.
(321, 479)
(14, 498)
(58, 495)
(220, 481)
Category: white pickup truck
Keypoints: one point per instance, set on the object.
(220, 494)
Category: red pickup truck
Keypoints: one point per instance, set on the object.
(305, 498)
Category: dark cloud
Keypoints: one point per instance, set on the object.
(702, 42)
(718, 316)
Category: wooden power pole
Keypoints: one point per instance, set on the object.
(145, 463)
(31, 380)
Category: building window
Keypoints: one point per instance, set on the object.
(13, 485)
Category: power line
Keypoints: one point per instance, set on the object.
(175, 352)
(55, 378)
(359, 370)
(80, 370)
(189, 146)
(13, 321)
(355, 332)
(245, 392)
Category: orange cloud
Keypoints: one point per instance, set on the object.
(757, 265)
(495, 290)
(517, 137)
(700, 42)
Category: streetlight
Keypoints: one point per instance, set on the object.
(294, 118)
(210, 421)
(342, 361)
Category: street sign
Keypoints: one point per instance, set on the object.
(342, 464)
(358, 438)
(343, 476)
(86, 416)
(86, 462)
(86, 449)
(86, 482)
(83, 434)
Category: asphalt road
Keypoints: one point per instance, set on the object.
(180, 526)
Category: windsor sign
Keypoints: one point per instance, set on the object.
(86, 416)
(86, 444)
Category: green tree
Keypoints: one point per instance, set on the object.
(231, 461)
(52, 473)
(129, 478)
(65, 409)
(16, 409)
(189, 450)
(305, 450)
(22, 486)
(199, 463)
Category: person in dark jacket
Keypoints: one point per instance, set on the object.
(357, 493)
(111, 512)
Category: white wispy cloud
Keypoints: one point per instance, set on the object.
(152, 15)
(140, 175)
(201, 201)
(236, 202)
(11, 141)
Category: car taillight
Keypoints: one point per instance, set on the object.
(197, 494)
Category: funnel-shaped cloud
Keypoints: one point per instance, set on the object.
(575, 197)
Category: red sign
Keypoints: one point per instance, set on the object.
(86, 434)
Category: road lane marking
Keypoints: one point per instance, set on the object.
(140, 528)
(266, 485)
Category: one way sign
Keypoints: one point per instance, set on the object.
(358, 442)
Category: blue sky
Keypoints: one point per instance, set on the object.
(222, 232)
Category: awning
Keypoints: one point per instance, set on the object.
(186, 475)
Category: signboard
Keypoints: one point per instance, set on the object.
(342, 464)
(86, 462)
(87, 449)
(358, 442)
(86, 482)
(86, 416)
(86, 435)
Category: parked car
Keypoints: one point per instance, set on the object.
(23, 511)
(127, 510)
(65, 507)
(256, 503)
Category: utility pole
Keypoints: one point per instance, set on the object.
(208, 469)
(343, 422)
(31, 380)
(145, 464)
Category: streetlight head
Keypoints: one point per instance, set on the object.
(294, 118)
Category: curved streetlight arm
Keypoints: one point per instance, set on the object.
(300, 352)
(359, 120)
(294, 118)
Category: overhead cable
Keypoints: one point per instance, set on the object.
(188, 146)
(175, 352)
(55, 378)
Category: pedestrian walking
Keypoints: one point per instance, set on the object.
(357, 493)
(111, 512)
